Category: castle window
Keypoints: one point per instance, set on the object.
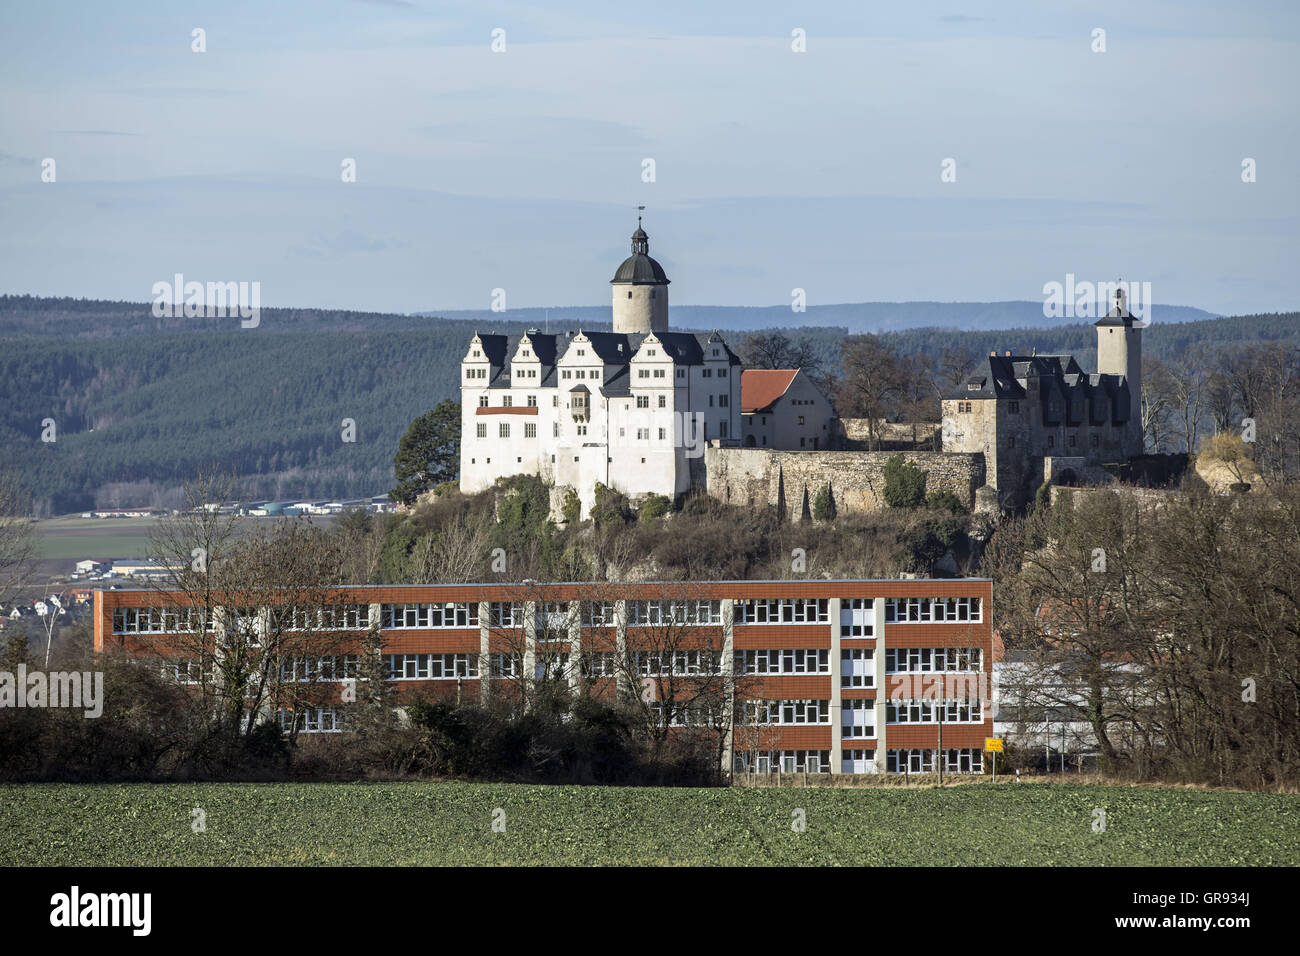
(681, 373)
(643, 373)
(708, 373)
(710, 401)
(722, 373)
(555, 433)
(659, 373)
(643, 434)
(504, 430)
(663, 401)
(530, 429)
(722, 403)
(663, 434)
(580, 373)
(481, 430)
(800, 419)
(507, 401)
(629, 293)
(482, 401)
(722, 429)
(595, 373)
(566, 374)
(555, 401)
(532, 401)
(643, 401)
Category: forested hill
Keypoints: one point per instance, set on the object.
(141, 403)
(856, 317)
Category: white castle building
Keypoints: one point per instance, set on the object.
(631, 409)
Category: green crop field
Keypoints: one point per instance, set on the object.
(452, 823)
(72, 537)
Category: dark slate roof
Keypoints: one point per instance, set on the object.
(612, 348)
(500, 349)
(1000, 378)
(617, 381)
(543, 346)
(640, 269)
(496, 348)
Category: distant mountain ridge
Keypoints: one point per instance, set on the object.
(857, 317)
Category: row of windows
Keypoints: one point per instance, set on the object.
(430, 666)
(784, 611)
(912, 660)
(958, 760)
(674, 612)
(783, 661)
(579, 373)
(926, 610)
(679, 663)
(187, 671)
(312, 720)
(786, 761)
(966, 710)
(426, 616)
(688, 715)
(329, 617)
(784, 713)
(855, 615)
(333, 667)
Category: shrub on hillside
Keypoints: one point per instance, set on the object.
(904, 484)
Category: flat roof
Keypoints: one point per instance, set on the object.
(499, 584)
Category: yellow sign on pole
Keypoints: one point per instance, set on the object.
(993, 745)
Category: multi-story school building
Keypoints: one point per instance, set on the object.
(822, 676)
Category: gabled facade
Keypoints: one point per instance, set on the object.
(783, 409)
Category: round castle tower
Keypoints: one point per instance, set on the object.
(640, 290)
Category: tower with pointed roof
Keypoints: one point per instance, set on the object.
(640, 290)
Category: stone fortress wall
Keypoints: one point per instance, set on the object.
(759, 476)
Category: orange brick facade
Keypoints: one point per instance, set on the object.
(820, 745)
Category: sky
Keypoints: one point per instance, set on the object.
(521, 169)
